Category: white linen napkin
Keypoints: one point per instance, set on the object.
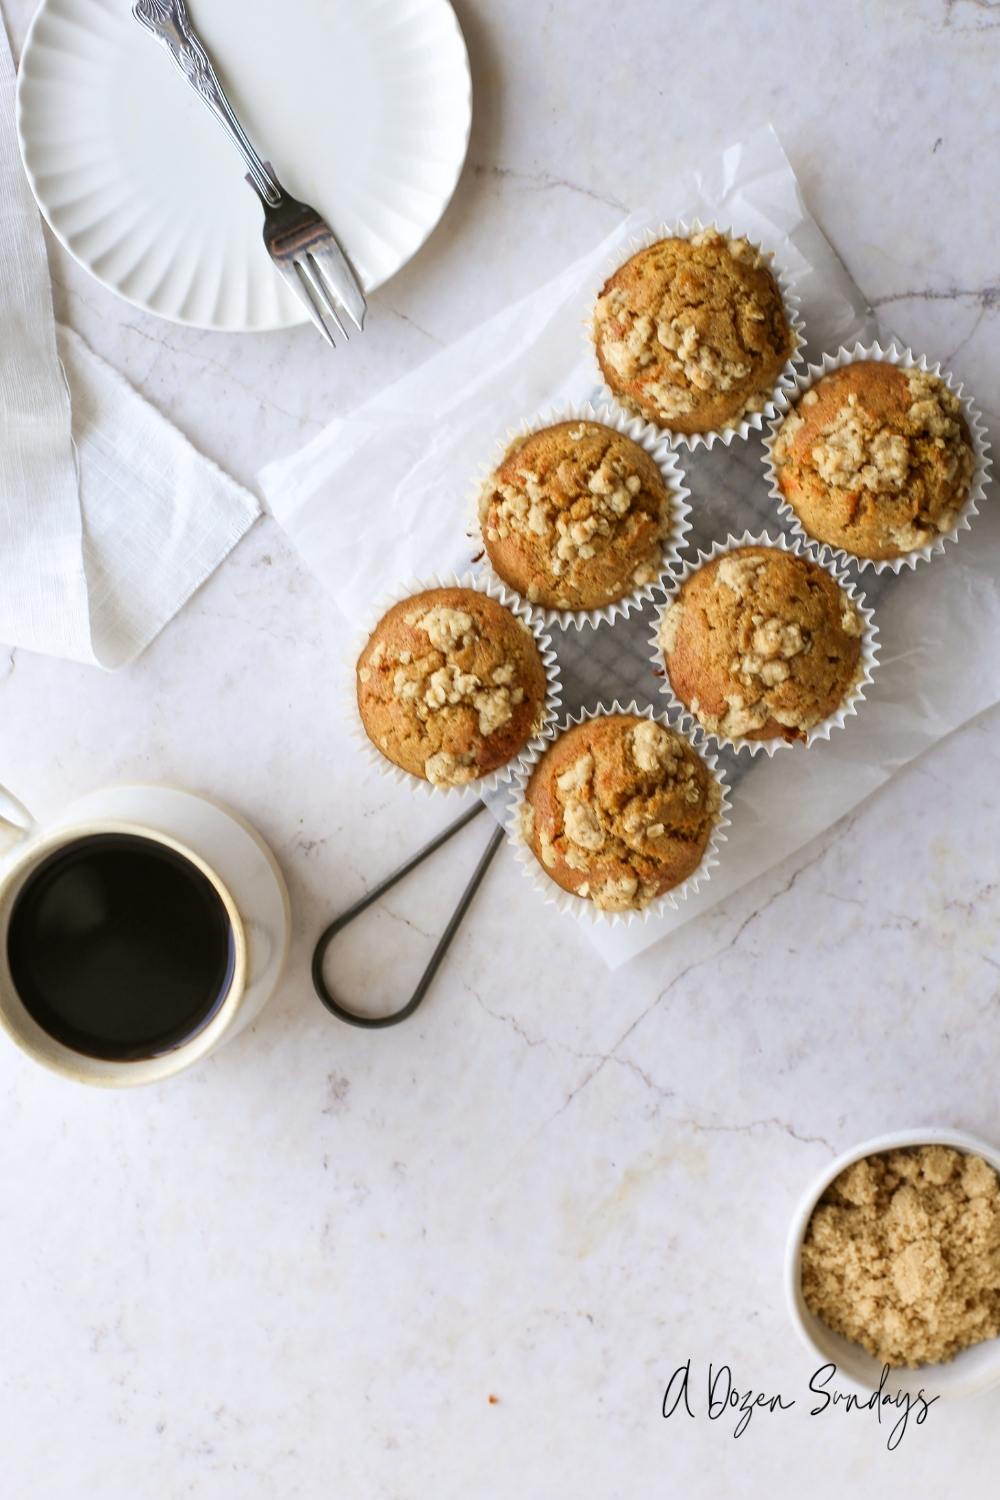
(109, 518)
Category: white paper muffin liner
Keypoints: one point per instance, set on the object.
(750, 421)
(867, 663)
(553, 689)
(907, 360)
(657, 445)
(577, 906)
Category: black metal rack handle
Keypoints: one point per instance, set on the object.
(376, 1023)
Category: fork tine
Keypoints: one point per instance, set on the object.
(314, 298)
(300, 290)
(329, 295)
(331, 263)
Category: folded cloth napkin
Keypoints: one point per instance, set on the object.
(109, 519)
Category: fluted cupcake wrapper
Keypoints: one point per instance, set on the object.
(867, 663)
(577, 906)
(657, 445)
(750, 421)
(907, 360)
(553, 686)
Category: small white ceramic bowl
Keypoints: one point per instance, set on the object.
(974, 1370)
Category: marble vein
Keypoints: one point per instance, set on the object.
(842, 830)
(987, 297)
(396, 312)
(989, 10)
(542, 181)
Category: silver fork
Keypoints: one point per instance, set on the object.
(299, 241)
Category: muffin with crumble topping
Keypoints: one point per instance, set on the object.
(875, 459)
(619, 810)
(451, 685)
(762, 644)
(575, 516)
(692, 334)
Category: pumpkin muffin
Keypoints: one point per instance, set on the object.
(450, 685)
(692, 333)
(761, 644)
(574, 516)
(875, 459)
(619, 810)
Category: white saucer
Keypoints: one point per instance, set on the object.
(363, 106)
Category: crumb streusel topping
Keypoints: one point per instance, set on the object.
(575, 516)
(619, 811)
(762, 643)
(450, 685)
(692, 333)
(875, 459)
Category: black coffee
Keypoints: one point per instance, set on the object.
(119, 947)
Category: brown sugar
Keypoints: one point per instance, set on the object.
(902, 1255)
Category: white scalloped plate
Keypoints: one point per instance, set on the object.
(363, 106)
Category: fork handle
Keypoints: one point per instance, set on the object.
(170, 22)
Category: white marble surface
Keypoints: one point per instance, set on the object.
(304, 1269)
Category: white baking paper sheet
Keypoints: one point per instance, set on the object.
(382, 494)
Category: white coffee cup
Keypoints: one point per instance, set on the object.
(216, 841)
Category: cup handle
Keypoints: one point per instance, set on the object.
(16, 822)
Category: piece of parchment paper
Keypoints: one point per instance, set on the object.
(382, 495)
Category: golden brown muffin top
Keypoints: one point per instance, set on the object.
(692, 333)
(761, 643)
(902, 1254)
(450, 685)
(574, 516)
(875, 459)
(619, 810)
